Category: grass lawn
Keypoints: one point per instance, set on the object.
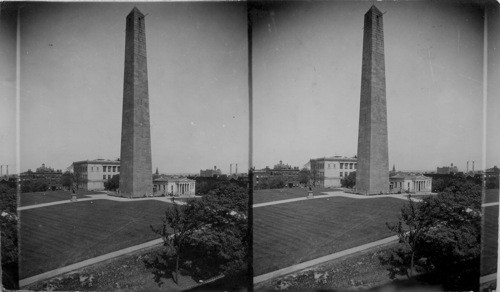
(490, 196)
(489, 240)
(56, 236)
(264, 196)
(28, 199)
(292, 233)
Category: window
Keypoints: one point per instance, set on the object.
(114, 168)
(341, 174)
(341, 166)
(103, 168)
(346, 173)
(103, 176)
(109, 176)
(350, 165)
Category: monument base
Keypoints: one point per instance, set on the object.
(310, 195)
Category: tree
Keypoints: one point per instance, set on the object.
(9, 240)
(113, 183)
(180, 225)
(304, 176)
(34, 185)
(349, 181)
(79, 178)
(67, 179)
(409, 229)
(277, 182)
(440, 237)
(317, 176)
(207, 236)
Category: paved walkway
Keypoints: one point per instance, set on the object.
(75, 266)
(488, 278)
(336, 194)
(107, 197)
(323, 259)
(489, 204)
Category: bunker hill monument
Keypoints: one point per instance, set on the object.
(135, 158)
(372, 175)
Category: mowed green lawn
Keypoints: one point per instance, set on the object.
(264, 196)
(489, 240)
(28, 199)
(56, 236)
(291, 233)
(491, 196)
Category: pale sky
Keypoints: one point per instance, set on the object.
(493, 86)
(72, 63)
(306, 74)
(307, 77)
(8, 18)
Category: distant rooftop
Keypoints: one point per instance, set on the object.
(98, 161)
(409, 175)
(337, 158)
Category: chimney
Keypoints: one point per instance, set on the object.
(215, 167)
(473, 166)
(230, 168)
(236, 168)
(7, 170)
(467, 166)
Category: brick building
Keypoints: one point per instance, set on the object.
(447, 169)
(51, 176)
(288, 173)
(210, 172)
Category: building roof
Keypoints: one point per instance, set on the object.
(173, 179)
(412, 176)
(98, 161)
(338, 158)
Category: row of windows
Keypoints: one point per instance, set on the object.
(346, 173)
(110, 168)
(342, 165)
(105, 168)
(108, 177)
(347, 165)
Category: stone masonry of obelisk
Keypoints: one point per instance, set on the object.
(136, 175)
(372, 174)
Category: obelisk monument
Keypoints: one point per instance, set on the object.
(136, 175)
(372, 174)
